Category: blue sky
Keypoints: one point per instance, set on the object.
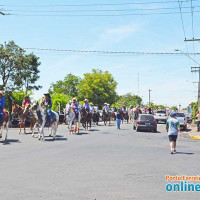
(168, 77)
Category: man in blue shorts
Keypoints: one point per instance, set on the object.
(173, 128)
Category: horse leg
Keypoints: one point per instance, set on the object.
(6, 127)
(20, 127)
(24, 127)
(54, 130)
(77, 127)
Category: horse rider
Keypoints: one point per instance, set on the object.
(91, 107)
(105, 107)
(26, 101)
(113, 109)
(47, 104)
(96, 108)
(2, 104)
(124, 108)
(86, 105)
(75, 107)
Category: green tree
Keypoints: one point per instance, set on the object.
(18, 70)
(99, 87)
(68, 86)
(17, 96)
(61, 98)
(129, 99)
(194, 106)
(174, 108)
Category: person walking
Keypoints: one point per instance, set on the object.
(173, 128)
(198, 120)
(118, 118)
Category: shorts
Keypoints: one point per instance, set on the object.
(172, 138)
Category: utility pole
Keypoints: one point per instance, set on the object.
(197, 69)
(149, 97)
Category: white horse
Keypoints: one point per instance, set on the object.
(72, 118)
(41, 121)
(5, 125)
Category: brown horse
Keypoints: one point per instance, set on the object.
(106, 117)
(22, 115)
(5, 124)
(125, 116)
(86, 119)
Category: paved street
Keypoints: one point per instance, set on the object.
(101, 164)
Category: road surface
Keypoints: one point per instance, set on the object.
(102, 164)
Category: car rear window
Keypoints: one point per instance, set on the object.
(146, 117)
(160, 111)
(180, 115)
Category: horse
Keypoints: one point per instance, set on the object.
(113, 116)
(106, 117)
(41, 118)
(70, 117)
(95, 117)
(5, 124)
(16, 109)
(86, 118)
(31, 116)
(125, 116)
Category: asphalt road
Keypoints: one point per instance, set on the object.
(102, 164)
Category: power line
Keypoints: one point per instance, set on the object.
(110, 4)
(110, 52)
(100, 15)
(102, 10)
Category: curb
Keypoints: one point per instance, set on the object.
(195, 137)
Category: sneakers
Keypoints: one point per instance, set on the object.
(173, 151)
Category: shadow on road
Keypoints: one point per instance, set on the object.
(94, 130)
(186, 153)
(10, 141)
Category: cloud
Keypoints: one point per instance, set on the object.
(117, 34)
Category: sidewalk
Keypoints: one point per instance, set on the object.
(192, 133)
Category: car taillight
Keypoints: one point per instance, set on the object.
(138, 122)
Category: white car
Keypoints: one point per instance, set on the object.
(182, 120)
(161, 115)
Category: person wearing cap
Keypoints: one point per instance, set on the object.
(173, 128)
(47, 104)
(75, 107)
(86, 105)
(2, 104)
(118, 118)
(26, 101)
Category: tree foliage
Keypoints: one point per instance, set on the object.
(174, 108)
(18, 70)
(68, 86)
(128, 99)
(99, 87)
(61, 98)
